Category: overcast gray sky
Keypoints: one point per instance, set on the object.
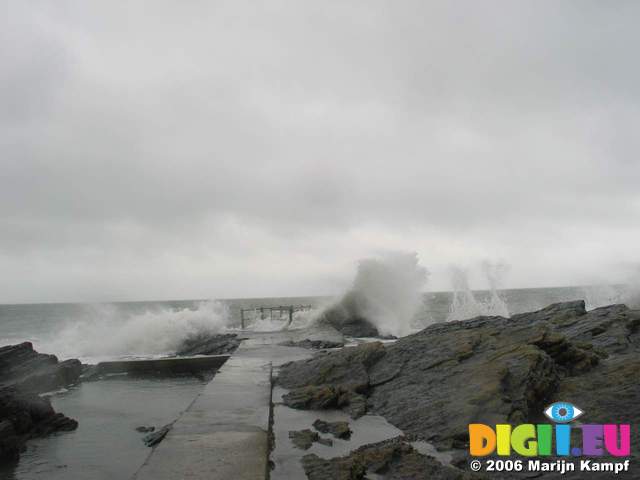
(199, 149)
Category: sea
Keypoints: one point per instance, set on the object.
(106, 444)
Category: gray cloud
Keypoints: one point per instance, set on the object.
(215, 149)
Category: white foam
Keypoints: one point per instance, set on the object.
(466, 305)
(389, 292)
(605, 294)
(107, 332)
(601, 295)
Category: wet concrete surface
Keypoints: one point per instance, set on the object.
(224, 432)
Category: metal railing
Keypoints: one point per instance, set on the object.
(265, 312)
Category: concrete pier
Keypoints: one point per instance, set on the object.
(224, 434)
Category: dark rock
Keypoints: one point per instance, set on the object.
(493, 370)
(303, 439)
(145, 429)
(209, 345)
(52, 378)
(25, 373)
(54, 423)
(90, 373)
(312, 397)
(320, 397)
(348, 368)
(345, 316)
(394, 459)
(25, 415)
(337, 429)
(153, 438)
(488, 370)
(314, 344)
(325, 441)
(21, 366)
(331, 380)
(355, 404)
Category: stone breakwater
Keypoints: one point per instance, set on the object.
(24, 414)
(430, 385)
(490, 370)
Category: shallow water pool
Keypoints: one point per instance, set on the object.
(106, 444)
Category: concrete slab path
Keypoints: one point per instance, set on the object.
(224, 433)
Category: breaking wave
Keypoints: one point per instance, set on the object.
(466, 304)
(602, 295)
(387, 291)
(106, 331)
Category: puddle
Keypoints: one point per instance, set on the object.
(367, 429)
(287, 458)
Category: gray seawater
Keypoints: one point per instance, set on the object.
(106, 445)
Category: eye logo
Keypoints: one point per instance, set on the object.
(562, 412)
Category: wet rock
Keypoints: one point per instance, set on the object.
(325, 441)
(337, 429)
(312, 397)
(493, 370)
(314, 344)
(393, 459)
(209, 345)
(25, 415)
(488, 370)
(54, 423)
(344, 316)
(331, 380)
(153, 438)
(25, 373)
(354, 404)
(145, 429)
(304, 439)
(348, 368)
(90, 373)
(22, 367)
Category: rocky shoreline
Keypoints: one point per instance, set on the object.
(24, 413)
(26, 376)
(430, 385)
(491, 370)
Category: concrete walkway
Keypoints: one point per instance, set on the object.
(224, 433)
